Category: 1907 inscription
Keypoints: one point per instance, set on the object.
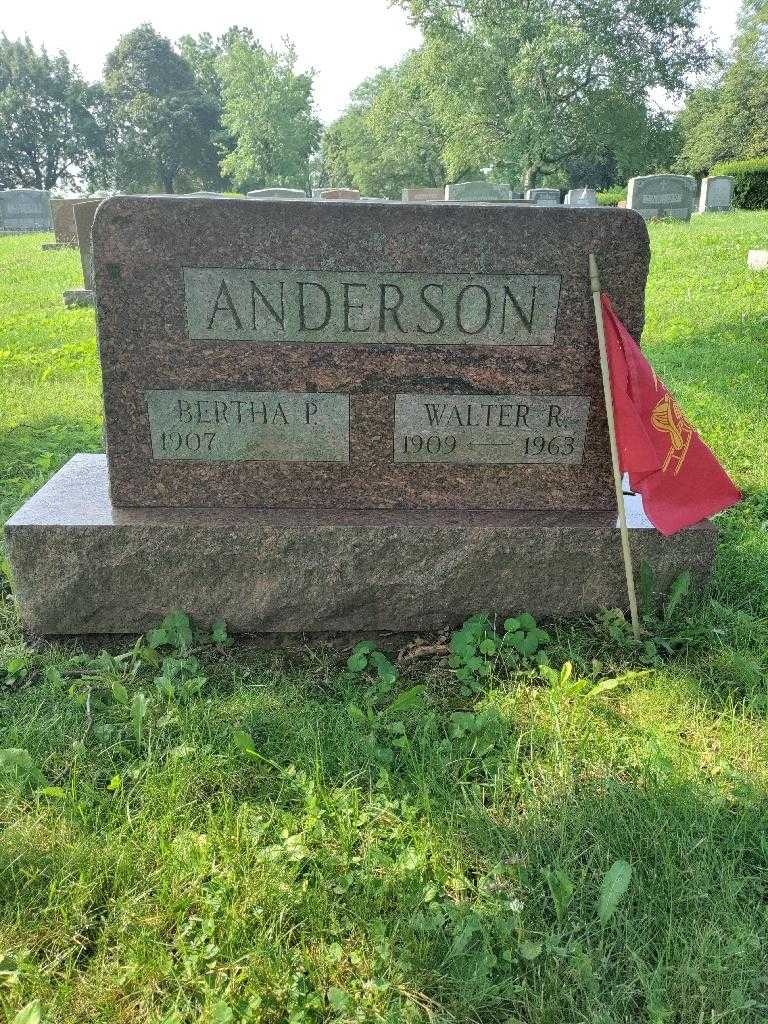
(490, 429)
(260, 426)
(356, 308)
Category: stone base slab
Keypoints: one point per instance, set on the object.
(79, 297)
(757, 259)
(82, 566)
(53, 246)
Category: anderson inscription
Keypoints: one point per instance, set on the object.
(490, 429)
(260, 426)
(271, 306)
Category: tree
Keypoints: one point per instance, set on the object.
(48, 131)
(388, 138)
(161, 123)
(726, 120)
(528, 85)
(268, 111)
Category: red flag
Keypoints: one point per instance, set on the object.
(679, 478)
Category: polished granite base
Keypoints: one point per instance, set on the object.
(81, 566)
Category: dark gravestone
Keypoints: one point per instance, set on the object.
(64, 227)
(335, 416)
(451, 352)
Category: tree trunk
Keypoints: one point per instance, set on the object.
(531, 176)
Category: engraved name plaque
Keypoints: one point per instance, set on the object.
(255, 426)
(490, 429)
(356, 308)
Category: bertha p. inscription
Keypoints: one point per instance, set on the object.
(255, 426)
(490, 429)
(356, 308)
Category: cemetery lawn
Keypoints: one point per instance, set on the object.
(198, 833)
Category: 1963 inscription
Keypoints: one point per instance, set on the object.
(490, 429)
(260, 426)
(355, 308)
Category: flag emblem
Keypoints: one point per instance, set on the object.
(669, 418)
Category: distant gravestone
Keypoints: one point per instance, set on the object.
(655, 196)
(423, 195)
(478, 192)
(64, 228)
(544, 196)
(277, 193)
(348, 194)
(25, 210)
(585, 198)
(84, 211)
(757, 259)
(716, 194)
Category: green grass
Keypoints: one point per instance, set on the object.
(375, 858)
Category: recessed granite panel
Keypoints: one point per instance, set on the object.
(370, 309)
(265, 426)
(491, 430)
(143, 246)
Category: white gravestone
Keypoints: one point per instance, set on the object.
(716, 194)
(582, 197)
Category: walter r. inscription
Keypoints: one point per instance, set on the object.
(356, 308)
(260, 426)
(490, 429)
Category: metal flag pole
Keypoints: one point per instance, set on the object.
(594, 278)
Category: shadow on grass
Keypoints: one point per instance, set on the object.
(423, 867)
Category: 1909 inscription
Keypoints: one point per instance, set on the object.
(355, 308)
(260, 426)
(490, 429)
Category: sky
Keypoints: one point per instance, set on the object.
(344, 41)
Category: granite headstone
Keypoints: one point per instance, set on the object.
(584, 198)
(478, 192)
(348, 194)
(25, 210)
(85, 212)
(439, 356)
(716, 194)
(64, 227)
(423, 195)
(656, 196)
(277, 193)
(544, 196)
(331, 416)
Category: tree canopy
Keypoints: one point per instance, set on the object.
(529, 85)
(267, 109)
(48, 128)
(726, 120)
(388, 138)
(160, 123)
